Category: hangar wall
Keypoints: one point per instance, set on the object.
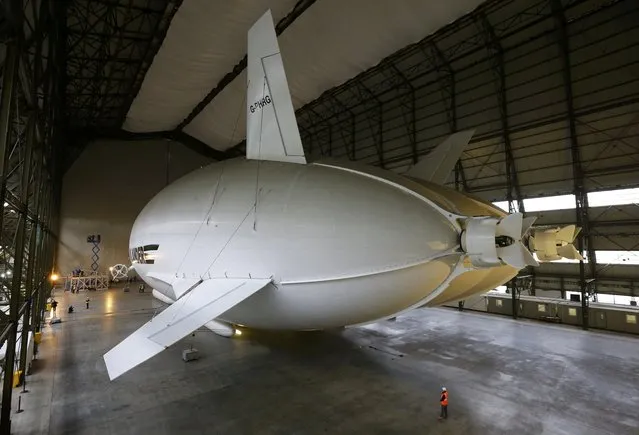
(106, 188)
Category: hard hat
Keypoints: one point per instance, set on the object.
(443, 388)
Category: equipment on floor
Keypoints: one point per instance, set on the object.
(191, 354)
(118, 272)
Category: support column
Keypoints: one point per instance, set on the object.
(18, 259)
(31, 289)
(584, 241)
(447, 81)
(497, 57)
(6, 111)
(34, 274)
(513, 290)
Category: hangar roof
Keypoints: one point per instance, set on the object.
(327, 42)
(158, 66)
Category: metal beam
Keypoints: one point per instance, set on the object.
(496, 54)
(17, 282)
(300, 7)
(584, 239)
(6, 112)
(34, 133)
(448, 82)
(497, 63)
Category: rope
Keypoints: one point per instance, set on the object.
(207, 216)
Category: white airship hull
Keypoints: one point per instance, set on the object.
(343, 248)
(344, 302)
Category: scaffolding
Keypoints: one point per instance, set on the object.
(86, 283)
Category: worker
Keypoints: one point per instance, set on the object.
(443, 401)
(87, 301)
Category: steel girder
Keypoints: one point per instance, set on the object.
(109, 46)
(587, 284)
(29, 173)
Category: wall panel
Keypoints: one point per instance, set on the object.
(105, 190)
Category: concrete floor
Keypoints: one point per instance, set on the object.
(504, 377)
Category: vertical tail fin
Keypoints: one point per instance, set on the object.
(271, 128)
(440, 162)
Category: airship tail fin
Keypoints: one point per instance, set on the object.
(440, 162)
(197, 307)
(271, 127)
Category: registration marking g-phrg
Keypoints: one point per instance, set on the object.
(265, 101)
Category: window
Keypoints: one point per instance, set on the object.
(608, 257)
(565, 202)
(559, 202)
(504, 205)
(605, 298)
(541, 308)
(617, 257)
(572, 312)
(613, 197)
(631, 318)
(500, 289)
(144, 254)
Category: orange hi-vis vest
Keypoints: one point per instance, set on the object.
(444, 398)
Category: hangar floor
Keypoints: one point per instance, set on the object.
(504, 377)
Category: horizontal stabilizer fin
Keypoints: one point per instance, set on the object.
(567, 234)
(202, 304)
(437, 166)
(179, 285)
(570, 252)
(527, 225)
(517, 255)
(510, 225)
(555, 243)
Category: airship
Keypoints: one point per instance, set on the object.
(272, 241)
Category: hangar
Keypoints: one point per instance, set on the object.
(106, 102)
